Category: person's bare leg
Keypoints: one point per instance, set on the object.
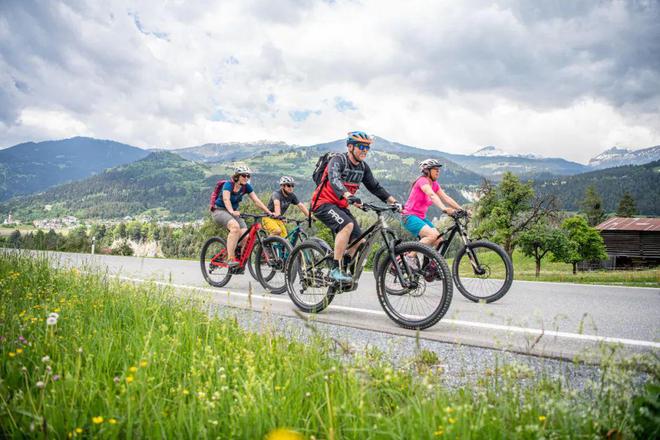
(232, 238)
(429, 236)
(341, 241)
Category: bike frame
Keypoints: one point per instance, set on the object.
(457, 228)
(253, 234)
(389, 238)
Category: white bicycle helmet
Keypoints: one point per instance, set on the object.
(428, 164)
(287, 180)
(242, 169)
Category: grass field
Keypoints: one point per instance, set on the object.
(83, 357)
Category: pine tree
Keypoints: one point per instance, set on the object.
(592, 206)
(627, 206)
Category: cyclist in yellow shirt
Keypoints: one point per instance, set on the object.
(278, 204)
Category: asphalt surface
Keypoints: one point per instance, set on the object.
(544, 319)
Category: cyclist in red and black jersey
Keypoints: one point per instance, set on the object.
(341, 180)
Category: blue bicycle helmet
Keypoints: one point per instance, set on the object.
(359, 137)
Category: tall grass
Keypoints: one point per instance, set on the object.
(136, 362)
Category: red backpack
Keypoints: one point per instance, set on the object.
(218, 188)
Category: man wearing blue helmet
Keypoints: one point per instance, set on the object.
(341, 180)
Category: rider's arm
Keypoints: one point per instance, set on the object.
(303, 208)
(259, 203)
(226, 198)
(447, 199)
(426, 188)
(375, 187)
(277, 207)
(335, 168)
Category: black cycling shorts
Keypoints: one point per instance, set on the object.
(336, 218)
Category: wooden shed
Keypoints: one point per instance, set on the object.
(632, 241)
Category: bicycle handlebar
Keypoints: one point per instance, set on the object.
(366, 207)
(254, 216)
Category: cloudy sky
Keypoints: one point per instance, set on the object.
(555, 78)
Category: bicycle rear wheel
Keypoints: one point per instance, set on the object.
(306, 277)
(426, 300)
(213, 260)
(482, 271)
(269, 263)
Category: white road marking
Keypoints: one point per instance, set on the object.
(508, 328)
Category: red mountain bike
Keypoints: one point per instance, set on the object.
(270, 254)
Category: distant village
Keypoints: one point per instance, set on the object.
(69, 222)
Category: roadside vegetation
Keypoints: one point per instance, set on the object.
(83, 356)
(544, 242)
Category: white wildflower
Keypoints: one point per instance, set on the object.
(51, 320)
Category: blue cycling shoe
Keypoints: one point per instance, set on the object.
(337, 275)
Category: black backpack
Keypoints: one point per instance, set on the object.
(321, 165)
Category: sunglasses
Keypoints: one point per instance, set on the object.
(245, 175)
(288, 185)
(363, 147)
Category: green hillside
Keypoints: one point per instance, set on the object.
(641, 181)
(162, 184)
(165, 186)
(31, 167)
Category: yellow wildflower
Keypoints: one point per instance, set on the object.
(542, 419)
(129, 379)
(12, 354)
(79, 430)
(112, 421)
(19, 350)
(132, 369)
(451, 421)
(449, 410)
(97, 420)
(143, 364)
(284, 434)
(57, 310)
(185, 392)
(439, 432)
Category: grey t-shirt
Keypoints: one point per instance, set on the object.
(284, 201)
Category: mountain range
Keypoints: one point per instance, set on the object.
(32, 167)
(107, 179)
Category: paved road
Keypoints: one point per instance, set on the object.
(549, 319)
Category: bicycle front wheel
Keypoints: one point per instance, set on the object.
(269, 263)
(307, 279)
(482, 271)
(425, 294)
(213, 260)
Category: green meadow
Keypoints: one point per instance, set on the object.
(84, 356)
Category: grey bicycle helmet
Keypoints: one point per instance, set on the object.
(428, 164)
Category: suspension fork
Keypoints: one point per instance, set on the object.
(472, 256)
(391, 244)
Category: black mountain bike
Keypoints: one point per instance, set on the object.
(413, 293)
(482, 270)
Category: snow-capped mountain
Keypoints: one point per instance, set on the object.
(618, 156)
(491, 151)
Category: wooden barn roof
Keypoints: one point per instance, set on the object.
(630, 224)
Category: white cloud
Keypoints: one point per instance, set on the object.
(558, 79)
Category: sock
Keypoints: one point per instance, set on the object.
(335, 264)
(346, 261)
